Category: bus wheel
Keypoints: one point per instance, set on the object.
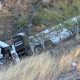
(38, 49)
(49, 45)
(30, 53)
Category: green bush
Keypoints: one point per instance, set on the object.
(21, 22)
(66, 9)
(58, 12)
(36, 20)
(49, 16)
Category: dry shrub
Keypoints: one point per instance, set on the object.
(66, 61)
(41, 67)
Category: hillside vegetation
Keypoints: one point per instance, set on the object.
(38, 13)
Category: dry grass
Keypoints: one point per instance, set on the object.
(33, 68)
(42, 67)
(45, 66)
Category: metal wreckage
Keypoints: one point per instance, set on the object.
(35, 45)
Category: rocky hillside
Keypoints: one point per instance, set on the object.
(15, 14)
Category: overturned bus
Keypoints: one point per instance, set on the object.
(46, 39)
(36, 44)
